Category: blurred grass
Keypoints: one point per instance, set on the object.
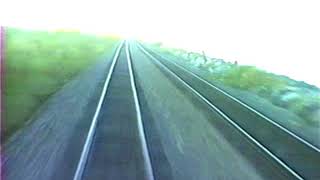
(241, 77)
(297, 97)
(38, 63)
(252, 79)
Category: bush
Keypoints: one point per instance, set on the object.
(252, 79)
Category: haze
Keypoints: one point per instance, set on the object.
(281, 36)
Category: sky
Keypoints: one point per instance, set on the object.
(281, 36)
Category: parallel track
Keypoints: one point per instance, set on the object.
(291, 166)
(288, 166)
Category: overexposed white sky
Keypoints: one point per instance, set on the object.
(282, 36)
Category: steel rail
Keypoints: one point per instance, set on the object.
(147, 162)
(86, 148)
(240, 129)
(248, 107)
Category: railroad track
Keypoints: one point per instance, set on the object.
(115, 147)
(286, 152)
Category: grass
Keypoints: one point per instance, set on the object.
(38, 63)
(252, 79)
(241, 77)
(272, 87)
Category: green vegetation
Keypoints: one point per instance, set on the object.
(252, 79)
(38, 63)
(298, 97)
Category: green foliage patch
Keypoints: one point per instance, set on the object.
(38, 63)
(298, 97)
